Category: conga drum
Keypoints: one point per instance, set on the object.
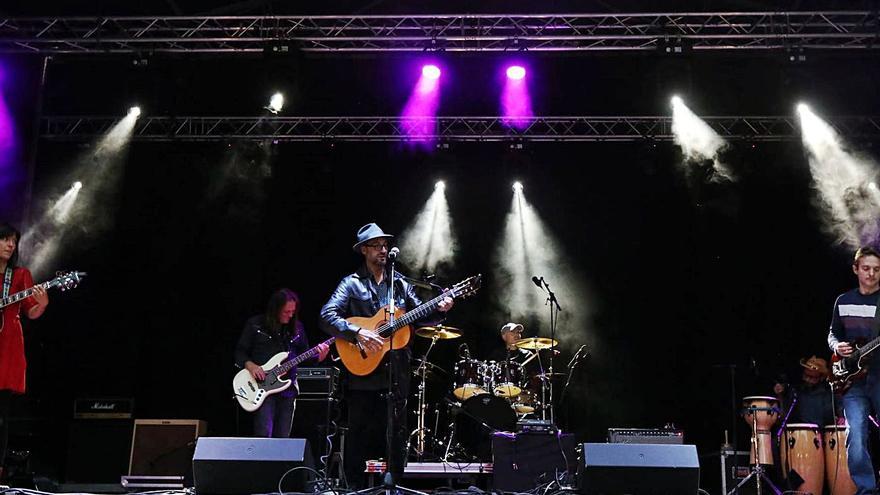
(836, 469)
(760, 412)
(800, 451)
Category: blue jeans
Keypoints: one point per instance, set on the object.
(274, 418)
(858, 402)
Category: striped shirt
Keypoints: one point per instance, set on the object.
(853, 319)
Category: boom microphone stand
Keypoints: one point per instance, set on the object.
(554, 319)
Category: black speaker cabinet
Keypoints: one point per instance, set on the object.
(98, 450)
(311, 421)
(231, 465)
(522, 461)
(163, 447)
(639, 469)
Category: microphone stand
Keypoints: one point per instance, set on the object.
(554, 317)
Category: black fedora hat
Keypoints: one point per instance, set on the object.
(368, 232)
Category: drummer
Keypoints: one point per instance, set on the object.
(510, 333)
(812, 397)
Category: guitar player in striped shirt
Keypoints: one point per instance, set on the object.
(853, 324)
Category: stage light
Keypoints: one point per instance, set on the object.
(676, 100)
(843, 180)
(429, 241)
(276, 103)
(699, 143)
(517, 187)
(516, 72)
(77, 185)
(431, 71)
(135, 111)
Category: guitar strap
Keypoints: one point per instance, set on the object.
(7, 282)
(875, 326)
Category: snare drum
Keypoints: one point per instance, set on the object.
(508, 378)
(525, 403)
(763, 412)
(469, 378)
(836, 470)
(801, 452)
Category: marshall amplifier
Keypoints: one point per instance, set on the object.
(317, 382)
(645, 435)
(108, 408)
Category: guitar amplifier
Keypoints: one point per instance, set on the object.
(317, 382)
(645, 436)
(108, 408)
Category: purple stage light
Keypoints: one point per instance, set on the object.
(431, 71)
(516, 104)
(516, 72)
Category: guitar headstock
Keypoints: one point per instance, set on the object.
(69, 280)
(467, 287)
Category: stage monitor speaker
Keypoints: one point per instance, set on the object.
(97, 450)
(639, 469)
(163, 447)
(522, 461)
(230, 465)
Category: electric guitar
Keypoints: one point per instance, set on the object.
(251, 393)
(63, 281)
(359, 361)
(846, 370)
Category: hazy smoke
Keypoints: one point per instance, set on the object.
(428, 241)
(699, 143)
(527, 250)
(845, 183)
(83, 208)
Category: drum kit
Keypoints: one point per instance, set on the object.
(810, 455)
(484, 396)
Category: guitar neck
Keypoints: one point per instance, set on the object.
(289, 365)
(869, 347)
(415, 315)
(19, 296)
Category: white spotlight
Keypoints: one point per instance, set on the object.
(802, 108)
(276, 103)
(517, 187)
(440, 186)
(77, 185)
(134, 111)
(676, 100)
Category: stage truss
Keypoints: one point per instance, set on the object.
(663, 32)
(446, 129)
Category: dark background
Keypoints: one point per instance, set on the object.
(686, 276)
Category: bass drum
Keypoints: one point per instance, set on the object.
(471, 434)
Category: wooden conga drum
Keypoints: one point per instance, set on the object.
(760, 412)
(801, 451)
(836, 468)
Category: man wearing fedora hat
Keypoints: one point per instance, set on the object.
(854, 322)
(364, 293)
(811, 397)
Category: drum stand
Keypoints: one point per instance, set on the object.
(421, 430)
(757, 470)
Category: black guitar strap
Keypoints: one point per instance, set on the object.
(875, 326)
(7, 282)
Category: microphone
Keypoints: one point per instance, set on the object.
(392, 255)
(538, 281)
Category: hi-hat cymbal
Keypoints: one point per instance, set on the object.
(536, 343)
(440, 332)
(432, 371)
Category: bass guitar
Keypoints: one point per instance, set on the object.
(63, 281)
(251, 393)
(396, 333)
(846, 370)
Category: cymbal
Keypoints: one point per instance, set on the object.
(433, 371)
(441, 332)
(536, 343)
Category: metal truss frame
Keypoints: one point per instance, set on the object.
(442, 129)
(664, 32)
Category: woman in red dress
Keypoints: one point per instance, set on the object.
(12, 362)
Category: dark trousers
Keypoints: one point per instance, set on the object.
(274, 418)
(368, 435)
(5, 402)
